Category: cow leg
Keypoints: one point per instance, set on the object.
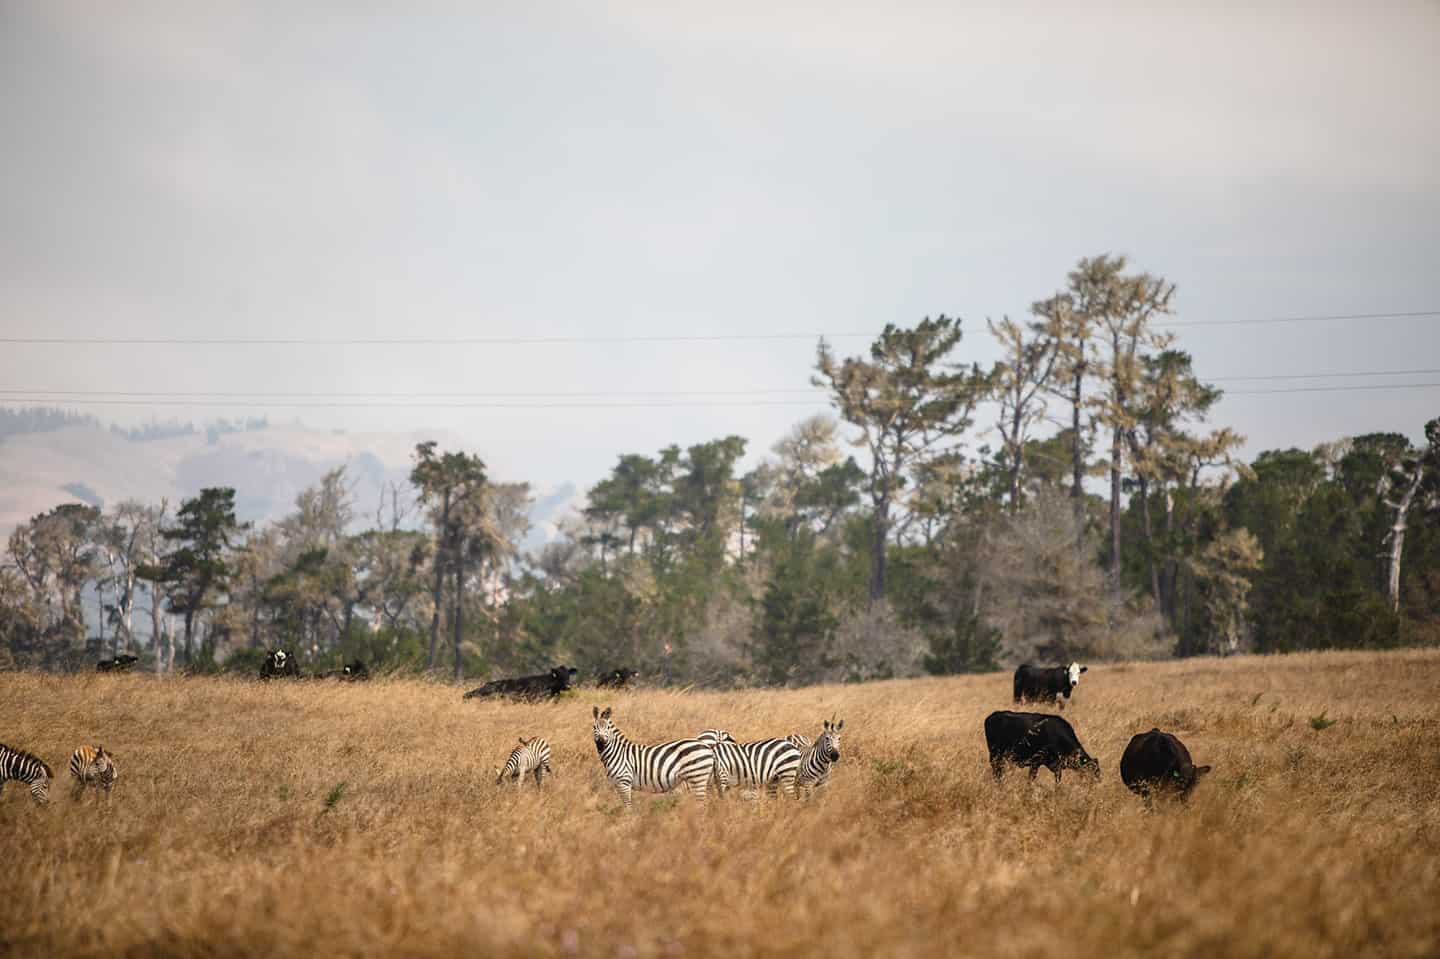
(997, 767)
(1033, 770)
(1056, 771)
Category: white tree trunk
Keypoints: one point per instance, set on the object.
(1397, 536)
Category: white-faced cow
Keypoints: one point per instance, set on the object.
(279, 662)
(1035, 740)
(1157, 763)
(1046, 684)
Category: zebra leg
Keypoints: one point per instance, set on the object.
(539, 776)
(623, 788)
(787, 784)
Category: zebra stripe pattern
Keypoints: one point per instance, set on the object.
(772, 763)
(22, 767)
(531, 756)
(92, 765)
(815, 762)
(655, 768)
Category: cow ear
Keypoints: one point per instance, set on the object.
(1084, 669)
(595, 711)
(1201, 770)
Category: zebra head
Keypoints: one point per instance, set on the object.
(106, 767)
(603, 729)
(829, 742)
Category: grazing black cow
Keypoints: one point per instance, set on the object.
(120, 664)
(542, 686)
(617, 678)
(279, 662)
(1035, 740)
(350, 672)
(1157, 762)
(1046, 684)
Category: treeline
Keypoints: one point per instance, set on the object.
(881, 543)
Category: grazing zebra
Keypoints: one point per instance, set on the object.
(22, 767)
(92, 765)
(655, 768)
(531, 756)
(815, 762)
(772, 763)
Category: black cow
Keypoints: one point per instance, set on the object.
(1046, 684)
(120, 664)
(1035, 740)
(279, 662)
(542, 686)
(617, 678)
(1157, 762)
(350, 672)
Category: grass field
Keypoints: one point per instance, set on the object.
(329, 819)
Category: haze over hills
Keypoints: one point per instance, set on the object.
(268, 465)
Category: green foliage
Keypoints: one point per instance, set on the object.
(332, 798)
(1318, 723)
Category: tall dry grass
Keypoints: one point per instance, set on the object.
(227, 835)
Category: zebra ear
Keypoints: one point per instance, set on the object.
(522, 740)
(595, 711)
(826, 725)
(606, 713)
(841, 726)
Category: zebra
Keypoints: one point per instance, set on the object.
(772, 763)
(93, 765)
(657, 768)
(531, 756)
(815, 762)
(22, 767)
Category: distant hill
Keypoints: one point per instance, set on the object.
(59, 460)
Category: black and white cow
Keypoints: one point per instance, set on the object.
(617, 678)
(1158, 763)
(542, 686)
(1046, 684)
(1035, 740)
(120, 664)
(279, 662)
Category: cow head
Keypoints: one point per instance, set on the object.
(1085, 762)
(278, 658)
(563, 676)
(1073, 672)
(602, 729)
(829, 743)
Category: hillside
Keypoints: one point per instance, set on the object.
(297, 819)
(267, 467)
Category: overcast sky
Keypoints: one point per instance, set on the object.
(547, 170)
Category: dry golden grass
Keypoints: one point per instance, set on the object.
(218, 840)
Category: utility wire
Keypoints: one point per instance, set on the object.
(644, 404)
(571, 394)
(573, 340)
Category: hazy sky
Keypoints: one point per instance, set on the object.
(541, 169)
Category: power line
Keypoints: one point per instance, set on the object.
(589, 340)
(1304, 319)
(572, 394)
(644, 404)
